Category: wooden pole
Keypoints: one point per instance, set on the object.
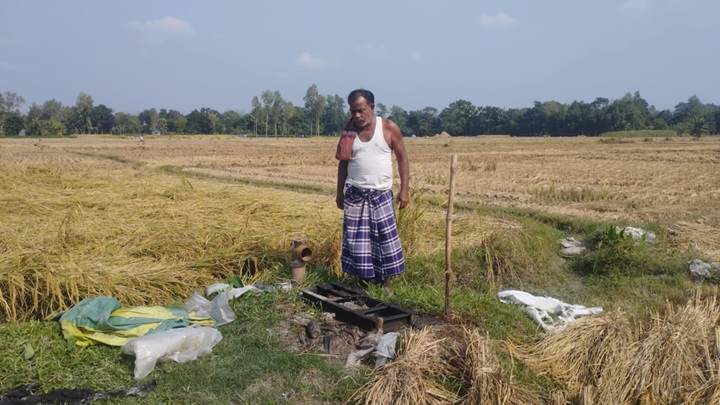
(448, 233)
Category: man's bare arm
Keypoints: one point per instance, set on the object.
(341, 177)
(398, 146)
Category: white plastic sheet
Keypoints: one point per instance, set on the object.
(219, 308)
(179, 345)
(543, 309)
(382, 346)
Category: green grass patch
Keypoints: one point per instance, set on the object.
(612, 252)
(252, 364)
(638, 296)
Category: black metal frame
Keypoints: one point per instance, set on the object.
(379, 314)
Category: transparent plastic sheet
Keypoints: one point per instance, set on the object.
(385, 349)
(179, 345)
(382, 346)
(218, 308)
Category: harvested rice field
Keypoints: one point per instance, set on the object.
(149, 221)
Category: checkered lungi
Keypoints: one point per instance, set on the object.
(370, 244)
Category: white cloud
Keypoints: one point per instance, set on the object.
(638, 5)
(494, 20)
(417, 56)
(373, 50)
(307, 60)
(163, 26)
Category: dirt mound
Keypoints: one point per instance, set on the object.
(442, 135)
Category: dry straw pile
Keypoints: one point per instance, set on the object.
(414, 377)
(443, 365)
(588, 351)
(601, 360)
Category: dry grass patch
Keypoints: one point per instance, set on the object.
(591, 351)
(677, 357)
(663, 182)
(480, 369)
(413, 377)
(139, 236)
(89, 216)
(443, 365)
(602, 359)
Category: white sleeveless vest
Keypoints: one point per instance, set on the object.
(371, 163)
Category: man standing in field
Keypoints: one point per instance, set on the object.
(370, 244)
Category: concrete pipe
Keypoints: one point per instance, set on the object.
(301, 254)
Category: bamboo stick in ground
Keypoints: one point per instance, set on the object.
(448, 233)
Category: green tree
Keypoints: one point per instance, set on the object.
(34, 112)
(83, 113)
(36, 127)
(381, 110)
(458, 118)
(631, 112)
(276, 111)
(267, 97)
(662, 120)
(162, 126)
(689, 110)
(400, 117)
(149, 119)
(198, 123)
(232, 120)
(334, 115)
(698, 126)
(180, 124)
(172, 117)
(300, 121)
(424, 122)
(216, 124)
(257, 113)
(315, 105)
(103, 119)
(10, 102)
(492, 120)
(287, 118)
(13, 123)
(126, 124)
(51, 110)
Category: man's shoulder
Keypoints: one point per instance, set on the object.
(389, 124)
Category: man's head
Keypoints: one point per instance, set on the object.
(362, 106)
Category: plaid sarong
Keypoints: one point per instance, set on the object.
(370, 244)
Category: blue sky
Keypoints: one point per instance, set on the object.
(136, 54)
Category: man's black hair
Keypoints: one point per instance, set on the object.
(366, 94)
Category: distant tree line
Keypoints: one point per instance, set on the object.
(273, 116)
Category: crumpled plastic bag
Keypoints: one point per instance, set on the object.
(219, 308)
(180, 345)
(382, 346)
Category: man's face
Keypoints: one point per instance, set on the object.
(361, 111)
